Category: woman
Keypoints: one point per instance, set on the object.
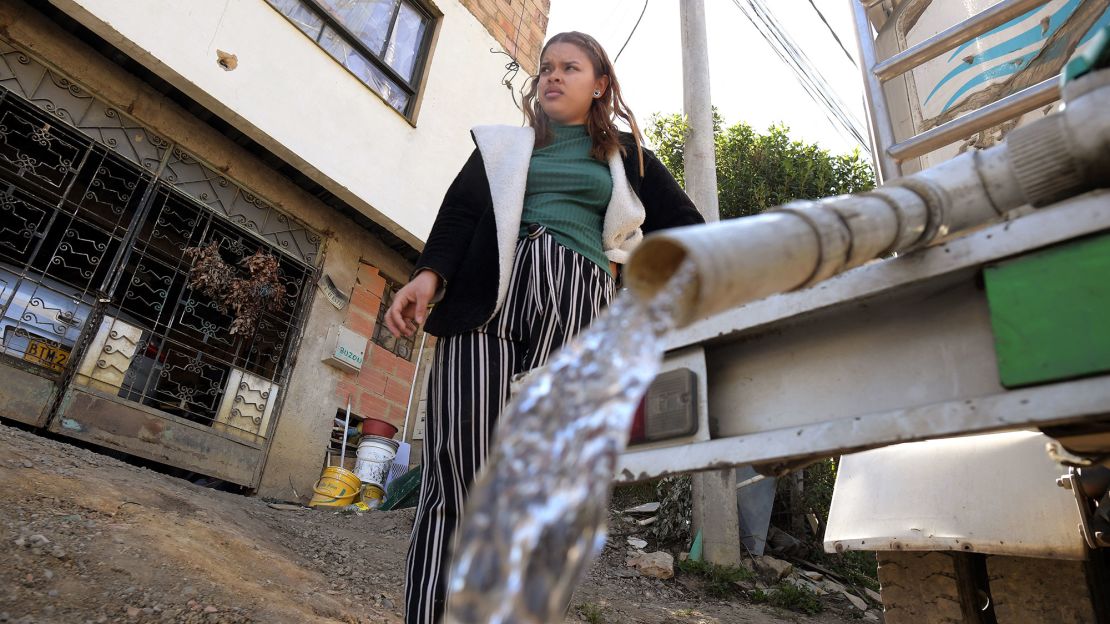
(522, 256)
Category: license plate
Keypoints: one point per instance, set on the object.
(51, 356)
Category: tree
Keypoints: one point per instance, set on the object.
(757, 171)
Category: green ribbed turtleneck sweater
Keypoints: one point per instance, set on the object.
(568, 192)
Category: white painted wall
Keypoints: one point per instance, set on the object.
(292, 97)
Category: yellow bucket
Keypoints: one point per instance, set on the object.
(372, 495)
(337, 487)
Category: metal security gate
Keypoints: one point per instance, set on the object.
(103, 339)
(64, 211)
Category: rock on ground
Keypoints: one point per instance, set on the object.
(856, 601)
(772, 568)
(658, 565)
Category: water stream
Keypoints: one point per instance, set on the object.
(537, 514)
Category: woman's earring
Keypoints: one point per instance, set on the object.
(597, 93)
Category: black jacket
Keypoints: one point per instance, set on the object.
(463, 244)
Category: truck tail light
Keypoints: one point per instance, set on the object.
(668, 409)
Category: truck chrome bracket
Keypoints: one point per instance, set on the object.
(1094, 539)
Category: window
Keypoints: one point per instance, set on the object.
(400, 346)
(384, 43)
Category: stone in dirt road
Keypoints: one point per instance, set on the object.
(856, 601)
(772, 568)
(805, 583)
(658, 565)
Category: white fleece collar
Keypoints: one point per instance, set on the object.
(506, 153)
(624, 216)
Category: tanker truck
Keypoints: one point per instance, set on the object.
(947, 334)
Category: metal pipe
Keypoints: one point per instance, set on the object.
(757, 478)
(943, 41)
(412, 387)
(1009, 107)
(874, 97)
(801, 243)
(346, 427)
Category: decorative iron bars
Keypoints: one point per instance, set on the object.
(397, 345)
(67, 102)
(204, 184)
(96, 213)
(186, 356)
(65, 208)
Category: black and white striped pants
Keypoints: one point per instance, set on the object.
(553, 294)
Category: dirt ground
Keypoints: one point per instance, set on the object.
(89, 538)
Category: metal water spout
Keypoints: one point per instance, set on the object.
(801, 243)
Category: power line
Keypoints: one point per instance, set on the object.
(513, 66)
(809, 78)
(637, 25)
(806, 71)
(833, 33)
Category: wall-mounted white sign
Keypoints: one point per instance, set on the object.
(346, 349)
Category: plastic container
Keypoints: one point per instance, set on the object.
(375, 427)
(372, 495)
(337, 487)
(375, 457)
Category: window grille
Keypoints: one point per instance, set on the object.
(400, 346)
(384, 43)
(96, 213)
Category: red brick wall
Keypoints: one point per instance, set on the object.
(381, 388)
(502, 17)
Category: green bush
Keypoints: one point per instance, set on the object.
(792, 597)
(592, 613)
(758, 171)
(720, 580)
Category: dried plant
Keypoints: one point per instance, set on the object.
(246, 297)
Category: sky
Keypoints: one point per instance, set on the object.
(748, 81)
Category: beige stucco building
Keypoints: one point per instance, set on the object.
(318, 134)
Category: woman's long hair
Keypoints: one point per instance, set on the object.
(604, 111)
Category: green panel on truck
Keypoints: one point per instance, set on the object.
(1050, 312)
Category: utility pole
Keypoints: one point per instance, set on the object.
(714, 493)
(699, 160)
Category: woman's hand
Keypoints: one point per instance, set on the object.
(410, 304)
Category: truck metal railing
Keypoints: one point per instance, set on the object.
(1009, 107)
(890, 154)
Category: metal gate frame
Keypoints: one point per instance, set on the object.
(129, 346)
